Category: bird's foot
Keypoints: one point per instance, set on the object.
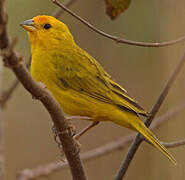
(72, 128)
(85, 130)
(56, 139)
(56, 134)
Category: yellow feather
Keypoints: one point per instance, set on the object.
(142, 129)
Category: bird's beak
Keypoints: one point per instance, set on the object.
(28, 25)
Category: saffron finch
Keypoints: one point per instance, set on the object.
(78, 81)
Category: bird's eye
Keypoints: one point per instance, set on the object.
(47, 26)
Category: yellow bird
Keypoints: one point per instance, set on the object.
(78, 81)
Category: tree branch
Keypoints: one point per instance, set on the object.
(116, 145)
(174, 144)
(58, 12)
(115, 38)
(5, 96)
(11, 59)
(137, 141)
(3, 30)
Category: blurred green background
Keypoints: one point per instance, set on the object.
(142, 71)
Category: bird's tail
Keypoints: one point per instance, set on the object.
(142, 129)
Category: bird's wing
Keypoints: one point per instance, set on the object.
(89, 78)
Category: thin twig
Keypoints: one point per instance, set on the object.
(174, 144)
(116, 145)
(13, 61)
(137, 141)
(115, 38)
(58, 12)
(6, 95)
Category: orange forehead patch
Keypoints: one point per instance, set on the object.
(41, 19)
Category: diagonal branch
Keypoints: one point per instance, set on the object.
(115, 38)
(137, 141)
(105, 149)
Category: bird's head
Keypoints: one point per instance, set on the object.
(47, 32)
